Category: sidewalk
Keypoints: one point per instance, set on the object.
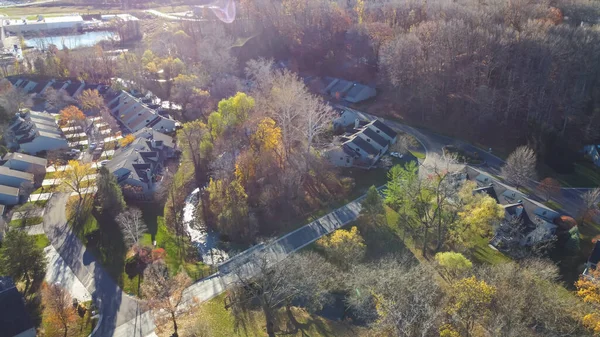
(46, 196)
(57, 181)
(66, 167)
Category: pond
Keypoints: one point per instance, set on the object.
(206, 241)
(86, 39)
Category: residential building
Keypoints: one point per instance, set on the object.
(139, 166)
(593, 152)
(593, 259)
(9, 195)
(352, 92)
(25, 163)
(348, 118)
(363, 146)
(33, 132)
(37, 87)
(15, 178)
(14, 318)
(136, 115)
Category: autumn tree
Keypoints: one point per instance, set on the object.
(519, 168)
(132, 225)
(588, 289)
(229, 206)
(345, 247)
(470, 301)
(128, 139)
(75, 178)
(549, 187)
(109, 197)
(164, 293)
(21, 258)
(58, 308)
(372, 208)
(477, 216)
(90, 100)
(453, 264)
(72, 114)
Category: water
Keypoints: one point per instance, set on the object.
(86, 39)
(205, 241)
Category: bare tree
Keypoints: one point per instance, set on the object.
(589, 208)
(520, 166)
(164, 293)
(58, 306)
(132, 225)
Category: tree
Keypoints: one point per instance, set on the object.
(164, 293)
(588, 289)
(58, 307)
(396, 297)
(453, 264)
(477, 217)
(75, 178)
(228, 203)
(372, 209)
(520, 166)
(109, 196)
(21, 258)
(90, 99)
(470, 301)
(589, 208)
(549, 187)
(132, 225)
(194, 139)
(72, 114)
(126, 140)
(345, 247)
(235, 110)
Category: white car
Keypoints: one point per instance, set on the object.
(103, 163)
(92, 146)
(396, 154)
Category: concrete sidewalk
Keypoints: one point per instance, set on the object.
(56, 181)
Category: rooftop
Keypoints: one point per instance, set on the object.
(14, 173)
(14, 318)
(9, 190)
(26, 158)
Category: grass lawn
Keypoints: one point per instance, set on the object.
(218, 321)
(586, 174)
(41, 240)
(418, 154)
(35, 220)
(50, 175)
(553, 205)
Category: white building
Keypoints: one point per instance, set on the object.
(73, 22)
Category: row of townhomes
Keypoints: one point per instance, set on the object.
(19, 174)
(139, 166)
(71, 88)
(363, 142)
(33, 132)
(136, 114)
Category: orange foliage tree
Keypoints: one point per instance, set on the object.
(126, 140)
(71, 114)
(58, 309)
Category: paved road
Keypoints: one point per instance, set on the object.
(117, 308)
(569, 198)
(171, 17)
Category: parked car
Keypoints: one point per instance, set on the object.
(92, 146)
(396, 154)
(103, 163)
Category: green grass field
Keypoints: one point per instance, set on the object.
(25, 222)
(41, 240)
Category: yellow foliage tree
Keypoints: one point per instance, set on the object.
(344, 246)
(126, 140)
(74, 179)
(59, 313)
(91, 100)
(476, 219)
(470, 300)
(588, 289)
(267, 136)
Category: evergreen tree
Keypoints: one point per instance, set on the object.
(21, 259)
(109, 197)
(372, 210)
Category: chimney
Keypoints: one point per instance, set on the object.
(356, 123)
(149, 176)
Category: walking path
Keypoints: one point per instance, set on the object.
(46, 196)
(66, 167)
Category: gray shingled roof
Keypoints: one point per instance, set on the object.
(377, 138)
(26, 158)
(384, 128)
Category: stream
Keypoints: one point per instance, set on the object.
(205, 241)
